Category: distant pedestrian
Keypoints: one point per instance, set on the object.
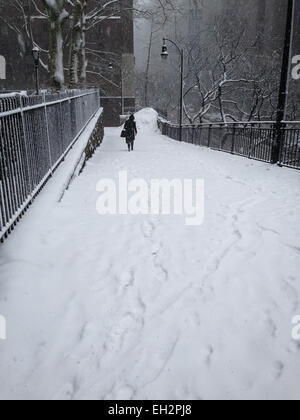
(131, 132)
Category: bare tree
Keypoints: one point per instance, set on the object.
(86, 16)
(221, 76)
(57, 15)
(77, 64)
(228, 76)
(18, 16)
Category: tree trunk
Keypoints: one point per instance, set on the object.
(57, 17)
(75, 46)
(82, 52)
(222, 112)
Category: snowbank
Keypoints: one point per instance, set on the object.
(147, 120)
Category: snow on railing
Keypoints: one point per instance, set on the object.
(254, 139)
(36, 134)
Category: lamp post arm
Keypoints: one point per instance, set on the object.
(180, 50)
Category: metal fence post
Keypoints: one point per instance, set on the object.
(233, 140)
(250, 145)
(284, 81)
(221, 139)
(282, 143)
(26, 143)
(209, 135)
(48, 135)
(61, 129)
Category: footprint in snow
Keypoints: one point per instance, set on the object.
(192, 319)
(294, 347)
(291, 293)
(155, 249)
(123, 393)
(98, 286)
(68, 391)
(126, 281)
(148, 229)
(278, 369)
(125, 332)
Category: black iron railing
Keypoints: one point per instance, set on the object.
(254, 140)
(35, 135)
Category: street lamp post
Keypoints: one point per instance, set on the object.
(36, 58)
(284, 83)
(165, 55)
(111, 67)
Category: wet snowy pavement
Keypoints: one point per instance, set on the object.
(145, 307)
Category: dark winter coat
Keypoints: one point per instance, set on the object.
(131, 130)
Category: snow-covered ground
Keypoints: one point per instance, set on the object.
(145, 307)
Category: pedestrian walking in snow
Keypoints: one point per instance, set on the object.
(131, 132)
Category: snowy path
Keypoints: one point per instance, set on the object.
(145, 307)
